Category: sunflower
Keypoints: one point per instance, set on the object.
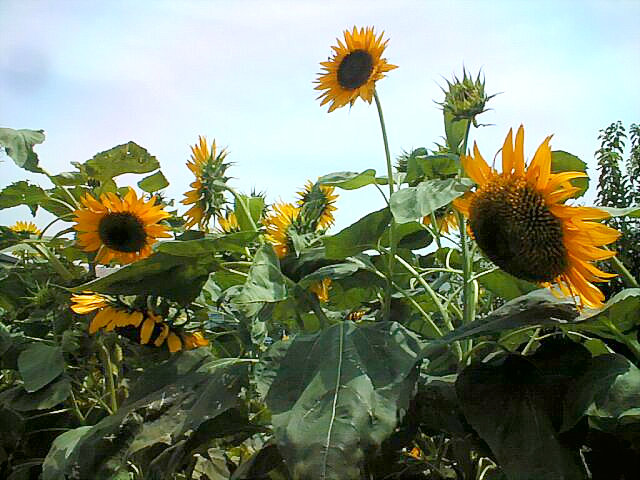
(277, 224)
(321, 289)
(316, 203)
(119, 229)
(228, 223)
(207, 196)
(25, 227)
(147, 326)
(109, 316)
(520, 221)
(446, 219)
(354, 69)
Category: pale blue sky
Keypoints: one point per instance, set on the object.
(97, 74)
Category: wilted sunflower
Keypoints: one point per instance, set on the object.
(119, 229)
(316, 204)
(25, 227)
(354, 69)
(207, 196)
(277, 224)
(519, 220)
(321, 289)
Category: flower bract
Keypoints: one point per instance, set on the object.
(316, 204)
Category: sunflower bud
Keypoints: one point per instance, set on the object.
(465, 98)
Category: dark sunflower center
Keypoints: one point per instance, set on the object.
(516, 230)
(123, 232)
(354, 70)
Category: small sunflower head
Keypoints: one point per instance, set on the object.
(207, 197)
(228, 223)
(354, 68)
(28, 228)
(278, 222)
(321, 289)
(465, 98)
(316, 204)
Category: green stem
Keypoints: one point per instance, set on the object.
(53, 261)
(108, 373)
(622, 338)
(387, 303)
(532, 339)
(626, 274)
(434, 225)
(243, 205)
(76, 408)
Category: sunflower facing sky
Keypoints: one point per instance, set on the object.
(354, 69)
(119, 229)
(151, 328)
(277, 224)
(316, 203)
(519, 220)
(25, 227)
(207, 197)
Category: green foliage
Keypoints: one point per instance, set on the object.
(414, 203)
(358, 237)
(18, 144)
(565, 162)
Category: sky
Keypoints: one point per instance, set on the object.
(94, 75)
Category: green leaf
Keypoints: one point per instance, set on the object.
(349, 180)
(54, 393)
(126, 158)
(39, 365)
(565, 162)
(359, 236)
(413, 203)
(255, 206)
(506, 286)
(622, 212)
(539, 307)
(334, 272)
(154, 182)
(455, 131)
(203, 247)
(260, 464)
(620, 310)
(410, 235)
(70, 179)
(173, 408)
(22, 193)
(505, 405)
(265, 282)
(608, 392)
(339, 394)
(18, 144)
(61, 448)
(426, 167)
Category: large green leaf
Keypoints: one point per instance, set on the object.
(22, 193)
(265, 282)
(339, 394)
(18, 144)
(126, 158)
(255, 206)
(174, 408)
(620, 310)
(565, 162)
(455, 131)
(412, 203)
(359, 236)
(505, 404)
(49, 396)
(61, 448)
(608, 392)
(539, 307)
(421, 166)
(39, 365)
(349, 180)
(154, 182)
(506, 286)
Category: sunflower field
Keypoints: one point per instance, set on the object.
(483, 325)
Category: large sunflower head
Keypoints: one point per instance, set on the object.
(120, 229)
(316, 204)
(519, 220)
(277, 223)
(207, 197)
(29, 228)
(354, 68)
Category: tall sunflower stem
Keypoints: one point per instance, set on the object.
(392, 244)
(629, 279)
(108, 373)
